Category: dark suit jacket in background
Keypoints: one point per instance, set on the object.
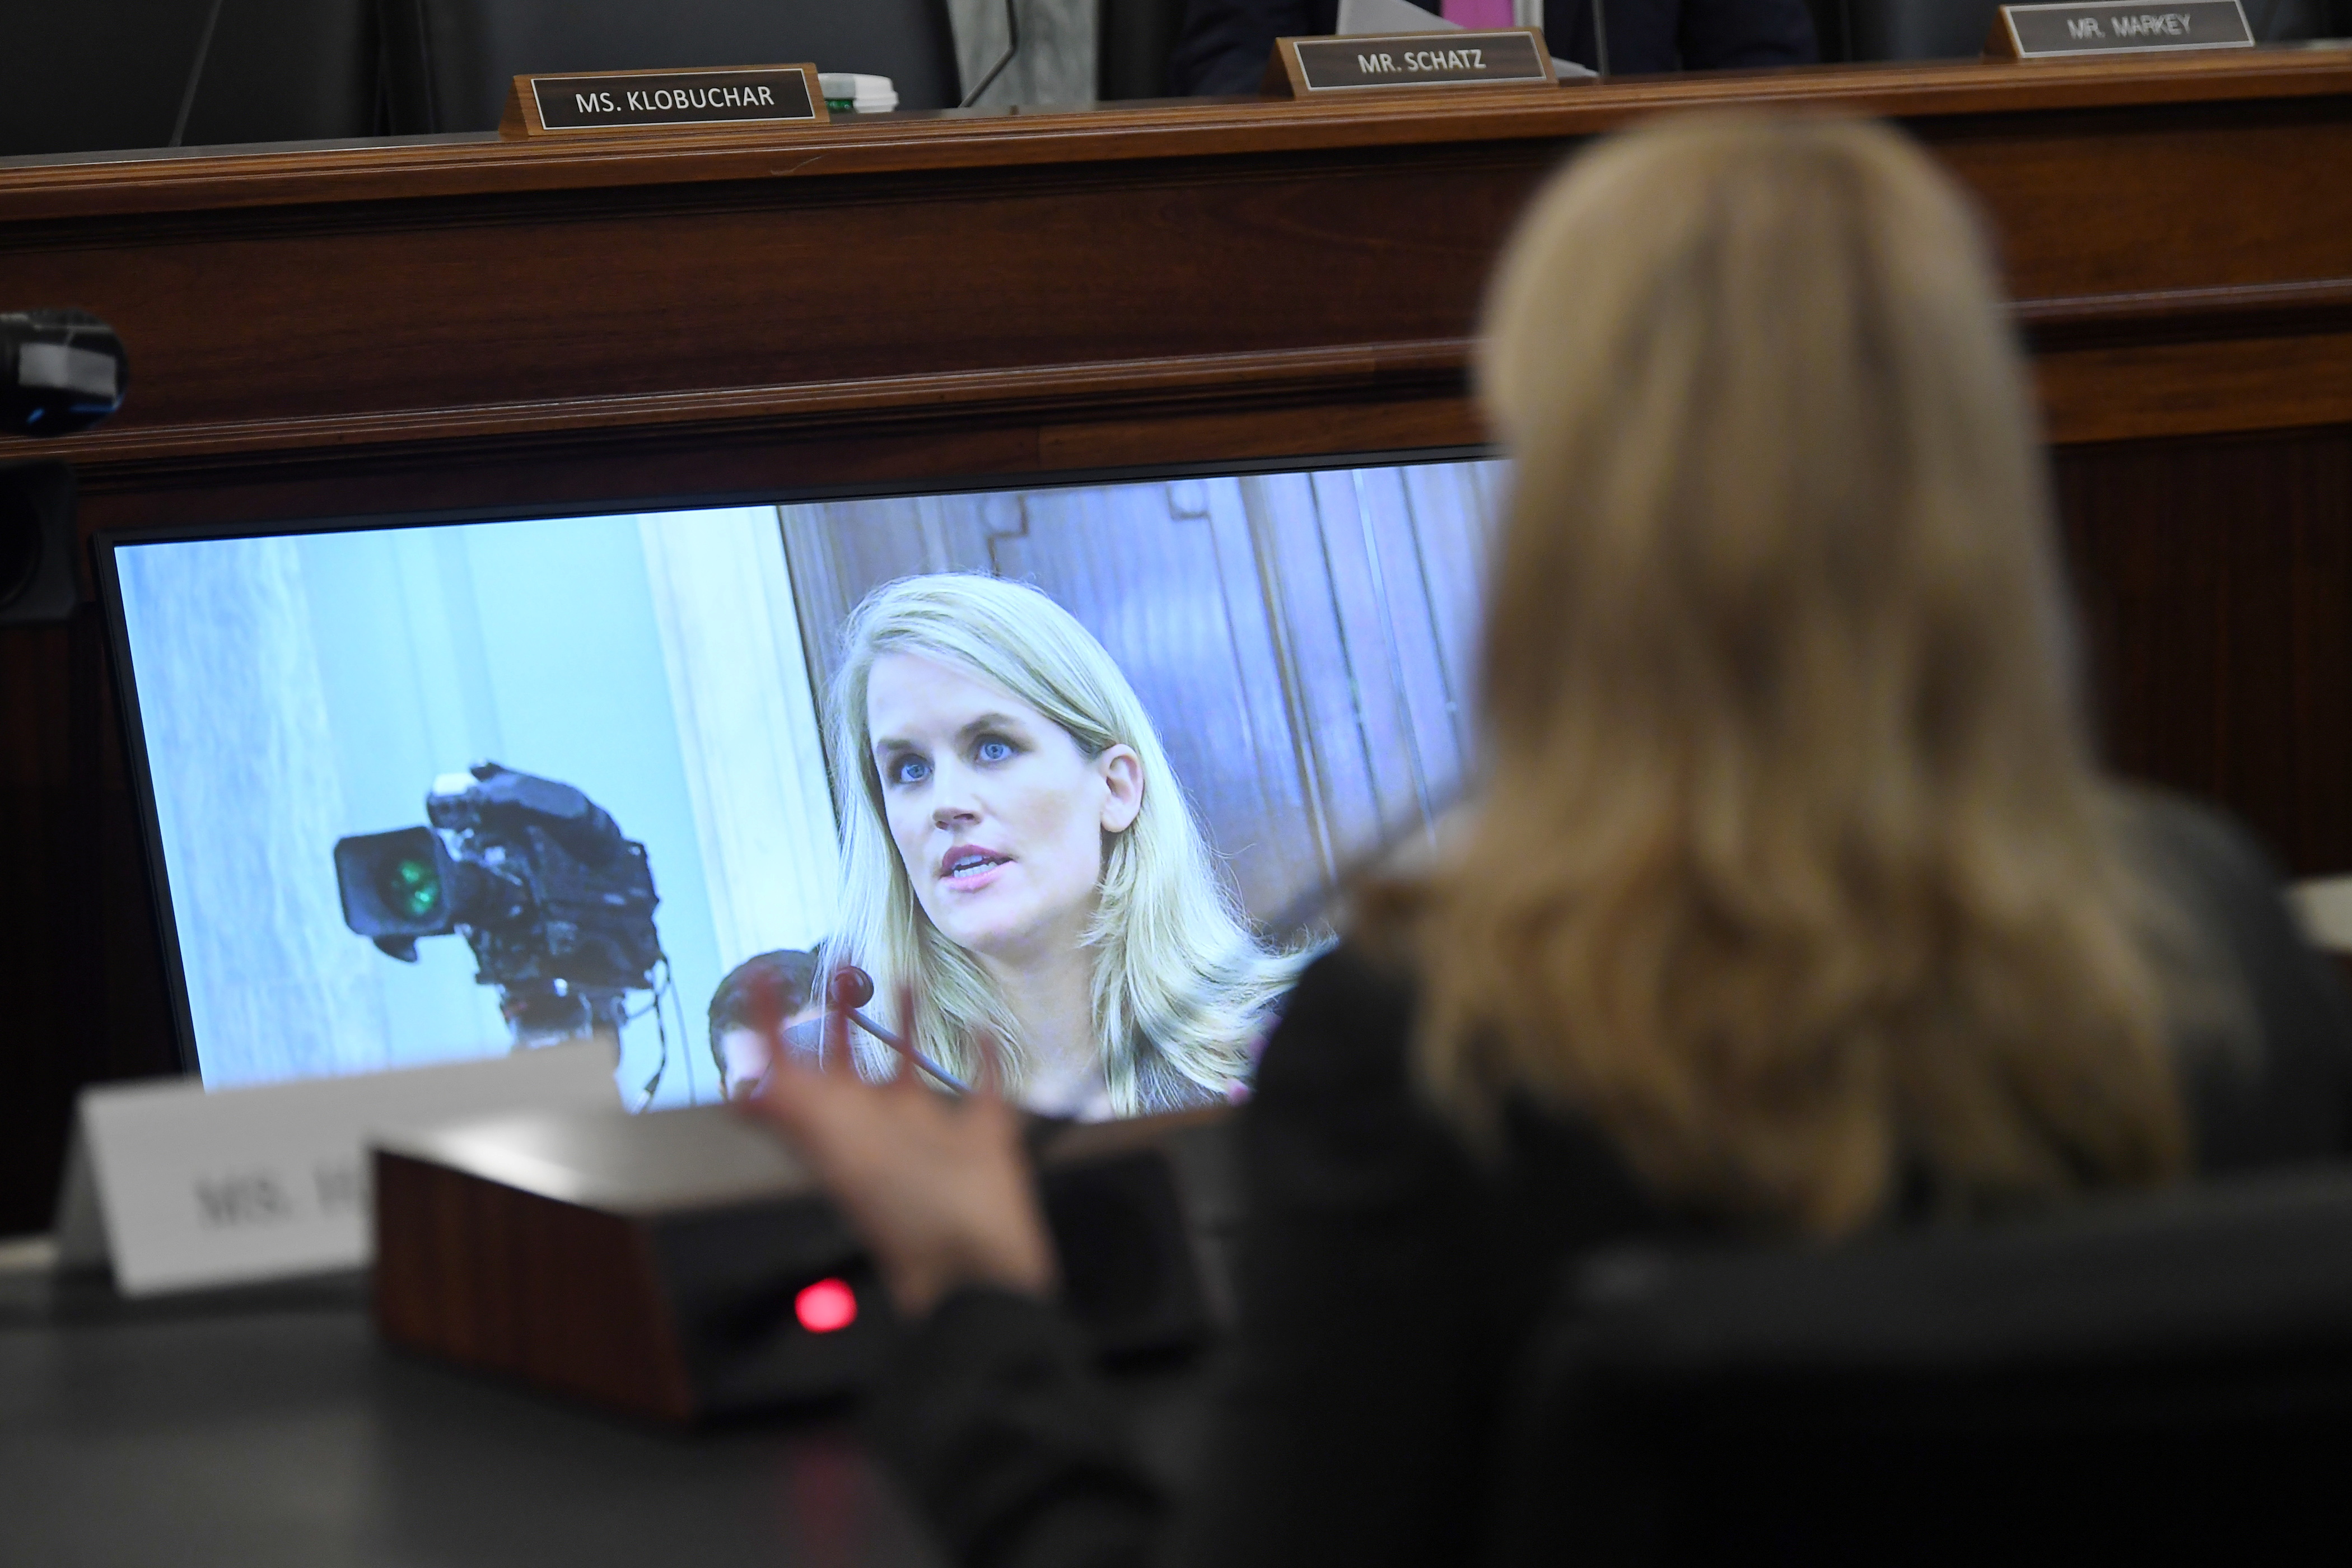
(1225, 43)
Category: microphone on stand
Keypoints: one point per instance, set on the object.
(196, 74)
(849, 989)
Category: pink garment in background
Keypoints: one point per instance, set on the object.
(1479, 12)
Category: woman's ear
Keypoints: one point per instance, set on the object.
(1122, 777)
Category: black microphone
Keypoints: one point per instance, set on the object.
(60, 371)
(196, 74)
(849, 989)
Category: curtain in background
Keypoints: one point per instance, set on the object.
(249, 798)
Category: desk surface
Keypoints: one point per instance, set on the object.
(269, 1426)
(155, 181)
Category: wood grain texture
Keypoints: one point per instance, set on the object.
(2215, 578)
(521, 1286)
(489, 300)
(969, 296)
(212, 179)
(631, 1266)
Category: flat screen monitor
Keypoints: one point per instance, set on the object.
(419, 790)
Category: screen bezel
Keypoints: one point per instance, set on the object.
(104, 543)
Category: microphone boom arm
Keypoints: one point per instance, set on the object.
(910, 1052)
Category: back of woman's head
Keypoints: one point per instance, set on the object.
(1788, 866)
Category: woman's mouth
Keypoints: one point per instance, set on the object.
(968, 866)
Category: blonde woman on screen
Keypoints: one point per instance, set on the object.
(1016, 850)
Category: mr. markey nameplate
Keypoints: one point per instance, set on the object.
(1310, 67)
(644, 101)
(2117, 26)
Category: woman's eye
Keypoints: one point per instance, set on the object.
(907, 771)
(993, 750)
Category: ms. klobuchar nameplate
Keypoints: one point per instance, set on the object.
(2116, 26)
(672, 100)
(1310, 67)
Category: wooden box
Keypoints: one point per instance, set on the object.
(659, 1264)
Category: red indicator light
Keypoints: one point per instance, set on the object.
(825, 1306)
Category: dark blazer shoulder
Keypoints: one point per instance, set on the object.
(2280, 1088)
(1350, 1013)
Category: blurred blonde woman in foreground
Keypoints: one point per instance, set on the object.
(1789, 903)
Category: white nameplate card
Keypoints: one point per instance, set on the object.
(1376, 62)
(2115, 27)
(179, 1188)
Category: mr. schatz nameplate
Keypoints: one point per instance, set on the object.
(1310, 67)
(2117, 26)
(673, 100)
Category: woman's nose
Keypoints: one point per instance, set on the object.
(952, 804)
(955, 803)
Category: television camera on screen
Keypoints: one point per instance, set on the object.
(556, 904)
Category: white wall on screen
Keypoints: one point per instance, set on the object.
(236, 718)
(299, 690)
(397, 634)
(747, 726)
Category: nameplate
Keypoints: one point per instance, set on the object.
(656, 101)
(180, 1188)
(2115, 27)
(1374, 63)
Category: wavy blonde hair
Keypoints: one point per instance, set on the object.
(1180, 988)
(1788, 867)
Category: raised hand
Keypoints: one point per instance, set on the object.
(940, 1189)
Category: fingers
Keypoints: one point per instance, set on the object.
(902, 1071)
(834, 1055)
(784, 1099)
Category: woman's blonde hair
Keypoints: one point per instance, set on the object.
(1787, 867)
(1179, 986)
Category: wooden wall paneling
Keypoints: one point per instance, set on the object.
(1387, 679)
(1318, 677)
(459, 294)
(1426, 532)
(1457, 515)
(640, 306)
(2249, 382)
(839, 551)
(1145, 568)
(2145, 200)
(2215, 581)
(1373, 666)
(1281, 850)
